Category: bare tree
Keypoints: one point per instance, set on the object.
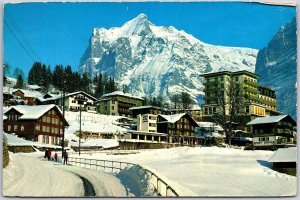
(230, 103)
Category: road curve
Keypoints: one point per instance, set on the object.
(28, 176)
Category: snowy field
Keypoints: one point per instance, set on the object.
(213, 171)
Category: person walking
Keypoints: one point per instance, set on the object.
(65, 155)
(55, 157)
(46, 153)
(49, 154)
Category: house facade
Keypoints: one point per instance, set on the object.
(118, 104)
(273, 131)
(43, 123)
(72, 101)
(29, 97)
(179, 127)
(147, 122)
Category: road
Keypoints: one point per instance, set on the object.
(32, 176)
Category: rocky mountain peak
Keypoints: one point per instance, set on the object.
(157, 60)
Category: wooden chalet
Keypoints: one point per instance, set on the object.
(43, 123)
(179, 127)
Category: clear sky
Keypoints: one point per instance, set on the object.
(58, 33)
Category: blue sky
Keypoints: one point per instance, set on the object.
(58, 33)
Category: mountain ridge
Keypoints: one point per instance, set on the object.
(159, 61)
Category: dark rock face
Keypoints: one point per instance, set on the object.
(276, 64)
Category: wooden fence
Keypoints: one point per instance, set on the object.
(109, 166)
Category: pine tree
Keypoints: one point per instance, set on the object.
(35, 74)
(69, 87)
(20, 82)
(99, 87)
(58, 77)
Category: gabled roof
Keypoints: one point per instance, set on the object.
(174, 118)
(29, 93)
(120, 93)
(210, 125)
(81, 92)
(270, 120)
(33, 112)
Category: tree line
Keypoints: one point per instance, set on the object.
(64, 79)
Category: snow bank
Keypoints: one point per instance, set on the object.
(137, 181)
(13, 140)
(284, 155)
(213, 171)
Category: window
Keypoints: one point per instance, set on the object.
(9, 128)
(15, 127)
(22, 128)
(214, 110)
(48, 120)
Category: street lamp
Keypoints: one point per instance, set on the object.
(80, 100)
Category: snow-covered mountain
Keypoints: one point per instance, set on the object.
(276, 64)
(159, 61)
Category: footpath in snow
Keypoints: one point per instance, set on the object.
(28, 175)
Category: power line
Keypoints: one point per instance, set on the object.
(23, 38)
(22, 45)
(19, 36)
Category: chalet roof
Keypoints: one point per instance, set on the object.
(29, 93)
(33, 112)
(174, 118)
(82, 92)
(120, 93)
(269, 120)
(284, 155)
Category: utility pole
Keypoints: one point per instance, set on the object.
(80, 101)
(63, 121)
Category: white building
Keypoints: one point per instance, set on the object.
(147, 123)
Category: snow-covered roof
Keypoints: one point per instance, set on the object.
(34, 87)
(8, 90)
(284, 155)
(267, 120)
(143, 107)
(29, 93)
(120, 93)
(80, 92)
(210, 125)
(173, 118)
(32, 112)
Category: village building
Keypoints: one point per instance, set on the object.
(144, 136)
(179, 127)
(43, 123)
(258, 101)
(147, 122)
(118, 103)
(72, 101)
(209, 133)
(273, 131)
(28, 96)
(148, 110)
(195, 113)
